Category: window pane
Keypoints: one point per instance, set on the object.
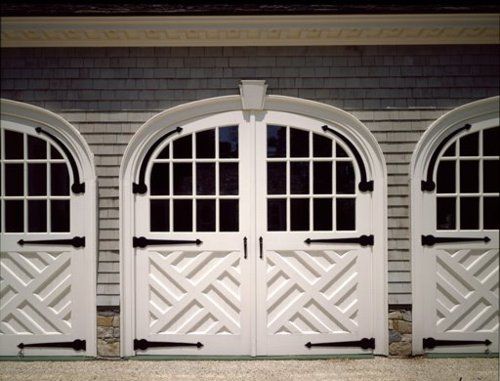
(276, 214)
(345, 177)
(228, 142)
(446, 177)
(14, 180)
(37, 148)
(469, 145)
(37, 215)
(276, 141)
(322, 177)
(228, 178)
(276, 178)
(491, 212)
(491, 174)
(59, 179)
(165, 152)
(299, 218)
(299, 143)
(346, 214)
(450, 151)
(159, 215)
(469, 176)
(445, 213)
(229, 215)
(160, 179)
(491, 137)
(183, 148)
(469, 213)
(37, 179)
(323, 214)
(340, 151)
(205, 178)
(183, 215)
(54, 153)
(205, 144)
(299, 178)
(13, 145)
(14, 216)
(183, 178)
(205, 215)
(59, 218)
(322, 146)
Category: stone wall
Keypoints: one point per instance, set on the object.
(400, 331)
(108, 331)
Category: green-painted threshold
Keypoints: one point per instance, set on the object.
(46, 358)
(460, 355)
(248, 358)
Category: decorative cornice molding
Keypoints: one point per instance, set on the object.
(250, 30)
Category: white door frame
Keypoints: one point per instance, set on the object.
(167, 120)
(485, 111)
(32, 115)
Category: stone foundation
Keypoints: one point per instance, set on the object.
(108, 331)
(400, 331)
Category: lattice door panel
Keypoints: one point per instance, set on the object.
(36, 293)
(317, 295)
(466, 289)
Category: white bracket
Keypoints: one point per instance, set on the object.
(253, 94)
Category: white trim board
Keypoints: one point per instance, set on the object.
(281, 30)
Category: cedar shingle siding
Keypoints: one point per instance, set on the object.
(108, 93)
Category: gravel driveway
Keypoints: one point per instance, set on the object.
(367, 369)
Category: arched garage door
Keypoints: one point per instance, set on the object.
(455, 222)
(253, 235)
(47, 257)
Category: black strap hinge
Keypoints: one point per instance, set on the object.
(77, 345)
(363, 240)
(364, 343)
(431, 343)
(430, 240)
(142, 242)
(144, 344)
(75, 242)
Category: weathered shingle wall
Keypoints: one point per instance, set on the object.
(108, 93)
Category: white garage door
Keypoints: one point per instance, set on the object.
(253, 237)
(45, 279)
(460, 255)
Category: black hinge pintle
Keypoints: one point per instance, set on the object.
(431, 343)
(144, 344)
(75, 242)
(77, 345)
(364, 343)
(430, 240)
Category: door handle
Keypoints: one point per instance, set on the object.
(260, 247)
(245, 248)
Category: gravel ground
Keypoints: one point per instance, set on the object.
(291, 370)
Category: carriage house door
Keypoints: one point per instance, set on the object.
(460, 242)
(46, 285)
(314, 257)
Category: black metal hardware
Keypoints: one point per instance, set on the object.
(363, 240)
(429, 184)
(364, 185)
(141, 186)
(260, 247)
(143, 242)
(77, 345)
(430, 240)
(431, 343)
(75, 242)
(364, 343)
(77, 187)
(245, 248)
(144, 344)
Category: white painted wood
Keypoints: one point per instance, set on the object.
(454, 286)
(202, 114)
(49, 292)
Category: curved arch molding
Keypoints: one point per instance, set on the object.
(364, 185)
(77, 186)
(141, 186)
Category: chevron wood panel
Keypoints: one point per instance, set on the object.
(35, 293)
